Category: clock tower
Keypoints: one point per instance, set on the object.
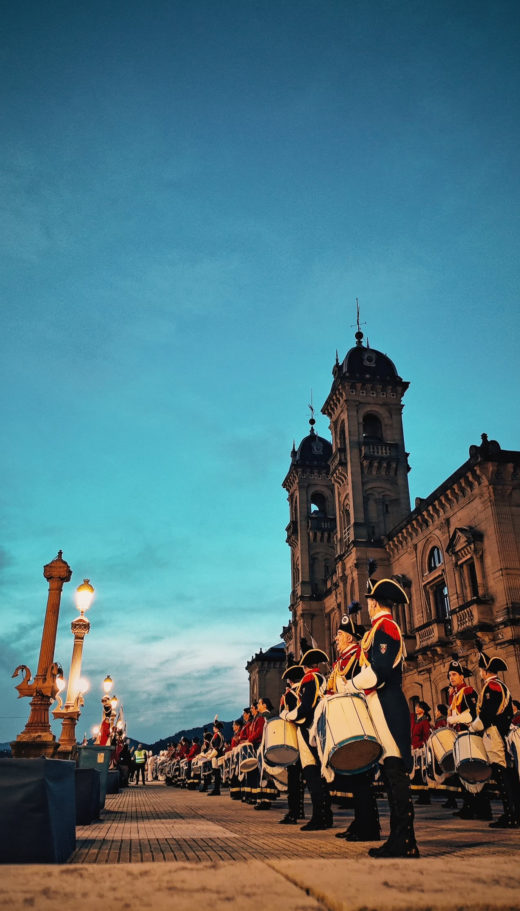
(369, 464)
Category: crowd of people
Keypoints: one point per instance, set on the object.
(352, 750)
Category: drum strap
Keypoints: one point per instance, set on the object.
(337, 672)
(368, 640)
(505, 696)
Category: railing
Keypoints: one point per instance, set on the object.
(379, 451)
(471, 615)
(432, 633)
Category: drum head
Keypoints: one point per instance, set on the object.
(447, 763)
(247, 765)
(282, 755)
(355, 755)
(474, 771)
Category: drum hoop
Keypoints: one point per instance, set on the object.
(353, 739)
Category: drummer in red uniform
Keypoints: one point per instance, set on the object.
(420, 731)
(441, 713)
(234, 783)
(256, 729)
(365, 825)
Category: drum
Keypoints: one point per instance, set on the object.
(347, 735)
(221, 764)
(513, 746)
(441, 743)
(280, 742)
(247, 760)
(471, 762)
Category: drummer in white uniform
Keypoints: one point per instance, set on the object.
(462, 711)
(380, 678)
(494, 714)
(308, 696)
(365, 825)
(295, 785)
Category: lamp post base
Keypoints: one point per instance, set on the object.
(31, 746)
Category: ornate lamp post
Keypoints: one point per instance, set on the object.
(70, 712)
(37, 738)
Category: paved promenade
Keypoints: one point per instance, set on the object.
(163, 848)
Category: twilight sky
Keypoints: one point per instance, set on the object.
(193, 194)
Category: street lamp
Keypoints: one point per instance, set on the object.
(37, 738)
(108, 683)
(70, 712)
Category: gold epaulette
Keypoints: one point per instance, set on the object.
(503, 701)
(368, 640)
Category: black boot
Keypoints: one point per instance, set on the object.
(215, 791)
(320, 819)
(401, 842)
(288, 820)
(365, 825)
(508, 819)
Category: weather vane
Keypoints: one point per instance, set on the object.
(311, 407)
(359, 334)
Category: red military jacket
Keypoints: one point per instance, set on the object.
(256, 730)
(244, 733)
(420, 732)
(194, 751)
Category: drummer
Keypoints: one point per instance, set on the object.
(308, 697)
(205, 776)
(295, 789)
(217, 744)
(268, 791)
(234, 782)
(461, 712)
(494, 714)
(245, 788)
(365, 825)
(380, 679)
(255, 738)
(451, 784)
(421, 729)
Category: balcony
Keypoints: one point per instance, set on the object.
(379, 450)
(378, 457)
(321, 524)
(472, 616)
(432, 634)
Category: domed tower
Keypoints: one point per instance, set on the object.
(369, 464)
(311, 537)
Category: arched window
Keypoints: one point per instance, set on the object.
(441, 601)
(434, 559)
(318, 504)
(372, 429)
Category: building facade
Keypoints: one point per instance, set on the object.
(457, 553)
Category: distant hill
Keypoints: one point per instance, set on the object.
(162, 744)
(190, 734)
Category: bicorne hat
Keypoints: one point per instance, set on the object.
(386, 590)
(456, 666)
(294, 673)
(314, 656)
(493, 665)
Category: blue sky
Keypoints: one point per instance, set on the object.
(193, 195)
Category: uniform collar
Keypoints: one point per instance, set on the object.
(382, 612)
